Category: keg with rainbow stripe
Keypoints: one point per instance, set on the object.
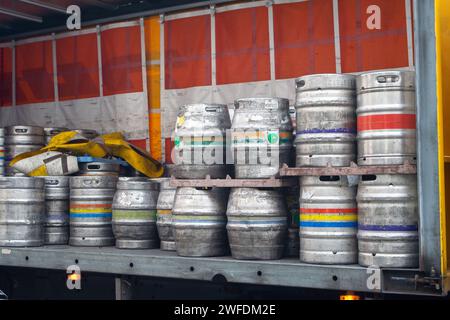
(386, 116)
(2, 152)
(328, 220)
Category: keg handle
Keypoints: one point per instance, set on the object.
(388, 78)
(93, 166)
(90, 182)
(51, 182)
(212, 109)
(21, 130)
(301, 84)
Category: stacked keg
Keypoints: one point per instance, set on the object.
(22, 211)
(257, 224)
(261, 135)
(56, 224)
(134, 213)
(99, 169)
(387, 204)
(326, 136)
(20, 139)
(2, 152)
(200, 137)
(199, 222)
(164, 219)
(49, 133)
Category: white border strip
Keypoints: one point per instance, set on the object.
(144, 81)
(33, 40)
(55, 70)
(116, 25)
(213, 48)
(409, 31)
(99, 58)
(6, 45)
(188, 14)
(246, 5)
(288, 1)
(271, 42)
(75, 33)
(337, 36)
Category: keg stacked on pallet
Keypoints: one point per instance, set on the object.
(387, 204)
(20, 139)
(22, 211)
(261, 136)
(199, 214)
(293, 241)
(134, 213)
(56, 224)
(326, 136)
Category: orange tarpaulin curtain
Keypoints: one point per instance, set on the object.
(304, 38)
(187, 45)
(78, 75)
(121, 60)
(242, 45)
(363, 49)
(34, 73)
(5, 77)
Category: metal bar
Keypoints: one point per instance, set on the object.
(353, 170)
(157, 263)
(337, 36)
(120, 18)
(20, 15)
(101, 4)
(234, 183)
(427, 140)
(42, 4)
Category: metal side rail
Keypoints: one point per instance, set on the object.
(229, 182)
(353, 170)
(157, 263)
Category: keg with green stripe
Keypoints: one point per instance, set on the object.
(328, 220)
(257, 224)
(91, 210)
(199, 222)
(134, 213)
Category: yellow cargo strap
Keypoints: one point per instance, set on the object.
(113, 144)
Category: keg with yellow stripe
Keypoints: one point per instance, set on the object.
(164, 207)
(328, 220)
(91, 210)
(199, 222)
(134, 213)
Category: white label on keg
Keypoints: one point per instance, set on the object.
(6, 251)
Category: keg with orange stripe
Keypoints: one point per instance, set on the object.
(386, 118)
(328, 220)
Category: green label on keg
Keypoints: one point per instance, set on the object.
(177, 142)
(273, 137)
(134, 214)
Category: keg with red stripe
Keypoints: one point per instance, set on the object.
(328, 220)
(386, 115)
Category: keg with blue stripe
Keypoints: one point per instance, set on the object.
(326, 120)
(91, 210)
(200, 146)
(257, 224)
(261, 137)
(199, 222)
(134, 213)
(328, 220)
(388, 221)
(2, 152)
